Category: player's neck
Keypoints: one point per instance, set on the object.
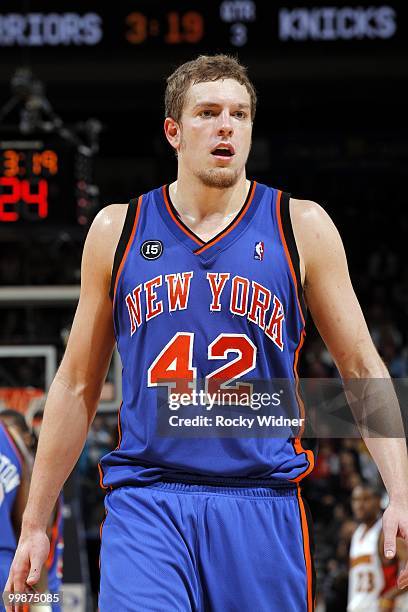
(195, 201)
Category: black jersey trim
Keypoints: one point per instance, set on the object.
(123, 242)
(203, 246)
(238, 217)
(178, 220)
(292, 247)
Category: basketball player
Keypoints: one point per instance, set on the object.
(10, 480)
(55, 532)
(203, 523)
(24, 442)
(372, 577)
(15, 472)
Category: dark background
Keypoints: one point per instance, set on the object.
(331, 126)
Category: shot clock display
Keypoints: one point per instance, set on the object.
(39, 182)
(24, 183)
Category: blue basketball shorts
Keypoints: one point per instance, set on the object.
(6, 559)
(174, 547)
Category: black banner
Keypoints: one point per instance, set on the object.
(152, 27)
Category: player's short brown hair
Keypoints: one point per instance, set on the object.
(204, 68)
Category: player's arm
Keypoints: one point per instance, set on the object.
(73, 396)
(340, 321)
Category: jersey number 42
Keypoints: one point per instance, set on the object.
(173, 366)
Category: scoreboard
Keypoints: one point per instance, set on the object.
(25, 182)
(81, 28)
(43, 180)
(102, 49)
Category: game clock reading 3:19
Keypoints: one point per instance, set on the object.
(33, 187)
(190, 23)
(24, 183)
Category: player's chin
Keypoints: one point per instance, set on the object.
(220, 178)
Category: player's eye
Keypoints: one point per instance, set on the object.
(240, 114)
(206, 113)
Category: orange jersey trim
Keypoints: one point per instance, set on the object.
(230, 227)
(116, 448)
(297, 441)
(177, 221)
(101, 477)
(205, 245)
(306, 551)
(101, 525)
(100, 534)
(126, 253)
(54, 538)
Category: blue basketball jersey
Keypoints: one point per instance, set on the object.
(223, 312)
(10, 478)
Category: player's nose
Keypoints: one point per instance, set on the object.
(225, 124)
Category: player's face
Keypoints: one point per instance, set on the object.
(215, 132)
(365, 505)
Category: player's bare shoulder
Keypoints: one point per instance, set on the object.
(104, 235)
(308, 216)
(314, 231)
(108, 224)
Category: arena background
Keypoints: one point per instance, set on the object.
(81, 127)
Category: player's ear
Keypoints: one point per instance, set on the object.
(173, 132)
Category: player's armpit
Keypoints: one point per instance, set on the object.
(330, 295)
(91, 341)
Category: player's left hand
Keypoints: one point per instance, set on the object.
(395, 524)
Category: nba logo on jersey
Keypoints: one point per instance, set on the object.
(259, 251)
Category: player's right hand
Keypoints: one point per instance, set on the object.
(31, 554)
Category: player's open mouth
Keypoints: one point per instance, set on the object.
(223, 150)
